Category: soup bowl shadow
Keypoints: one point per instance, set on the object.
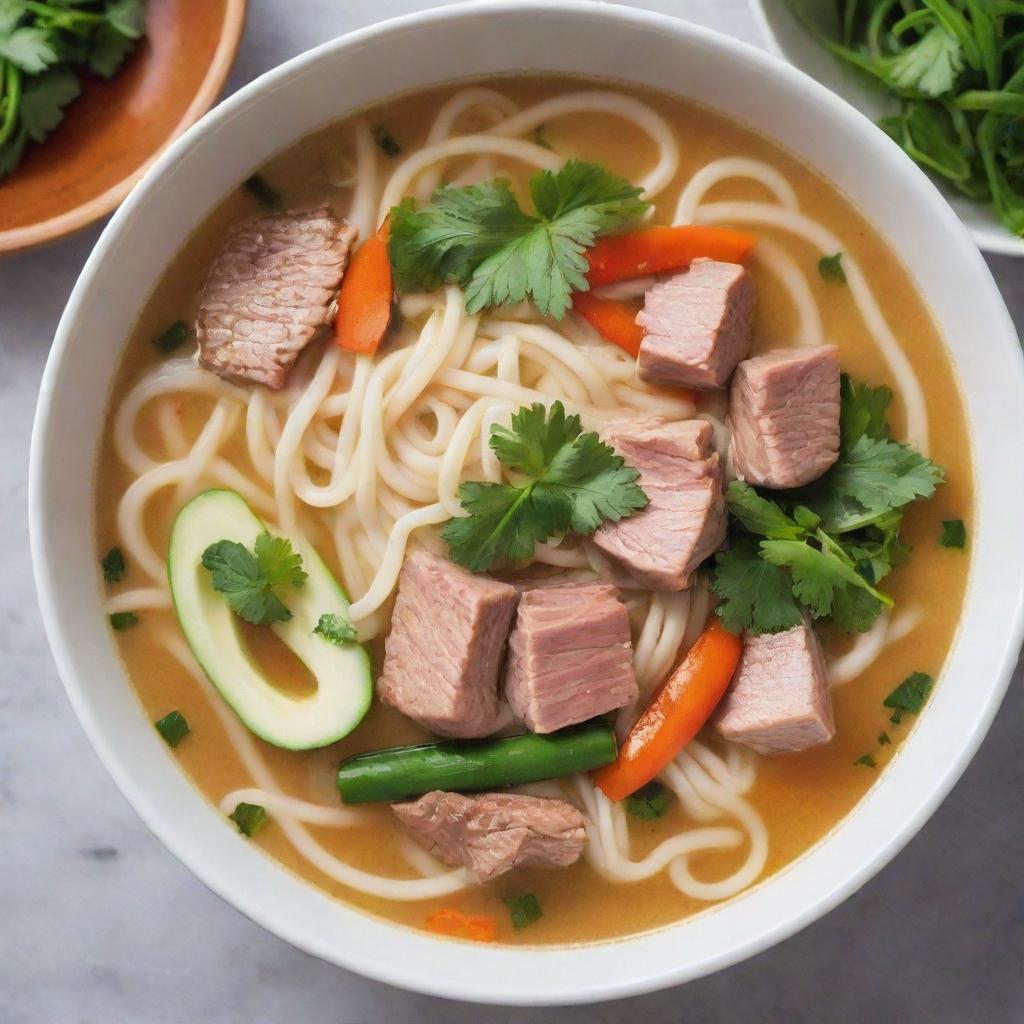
(437, 46)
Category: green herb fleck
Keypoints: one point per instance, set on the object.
(386, 141)
(123, 620)
(831, 269)
(113, 565)
(173, 727)
(909, 696)
(954, 534)
(867, 760)
(249, 818)
(336, 629)
(172, 338)
(649, 802)
(263, 191)
(883, 739)
(523, 910)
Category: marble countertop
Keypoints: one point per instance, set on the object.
(99, 923)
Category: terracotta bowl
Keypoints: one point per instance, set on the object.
(117, 128)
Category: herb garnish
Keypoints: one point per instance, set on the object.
(172, 338)
(867, 760)
(831, 269)
(123, 620)
(173, 727)
(258, 187)
(336, 629)
(41, 46)
(909, 696)
(479, 238)
(572, 482)
(247, 578)
(386, 141)
(883, 739)
(113, 565)
(954, 534)
(824, 547)
(649, 802)
(249, 818)
(523, 910)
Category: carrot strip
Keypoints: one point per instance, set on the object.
(660, 250)
(455, 923)
(364, 303)
(613, 320)
(676, 714)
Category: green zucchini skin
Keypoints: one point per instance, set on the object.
(468, 765)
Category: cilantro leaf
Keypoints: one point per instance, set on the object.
(110, 49)
(863, 410)
(128, 17)
(479, 237)
(930, 66)
(909, 696)
(648, 803)
(336, 629)
(954, 534)
(28, 48)
(245, 579)
(755, 595)
(44, 100)
(523, 910)
(831, 269)
(867, 761)
(11, 12)
(761, 516)
(574, 482)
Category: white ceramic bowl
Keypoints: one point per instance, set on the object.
(319, 87)
(786, 37)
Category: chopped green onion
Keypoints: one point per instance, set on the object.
(172, 338)
(831, 269)
(523, 910)
(123, 620)
(867, 760)
(258, 187)
(909, 696)
(954, 534)
(386, 141)
(173, 727)
(649, 802)
(113, 565)
(249, 818)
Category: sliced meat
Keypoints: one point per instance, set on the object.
(784, 409)
(269, 292)
(660, 547)
(697, 325)
(444, 650)
(491, 833)
(570, 656)
(778, 700)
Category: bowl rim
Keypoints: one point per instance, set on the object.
(994, 239)
(28, 236)
(487, 974)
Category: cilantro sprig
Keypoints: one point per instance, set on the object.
(822, 549)
(42, 47)
(565, 481)
(247, 578)
(480, 238)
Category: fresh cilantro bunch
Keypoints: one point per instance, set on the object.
(247, 578)
(957, 69)
(42, 42)
(825, 547)
(479, 238)
(568, 481)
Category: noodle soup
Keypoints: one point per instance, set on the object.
(359, 457)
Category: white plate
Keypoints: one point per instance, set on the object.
(790, 40)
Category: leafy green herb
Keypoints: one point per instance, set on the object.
(479, 237)
(336, 629)
(523, 910)
(258, 187)
(649, 802)
(824, 547)
(883, 739)
(42, 42)
(123, 620)
(831, 269)
(247, 578)
(909, 696)
(571, 483)
(113, 565)
(386, 141)
(173, 727)
(249, 818)
(954, 534)
(867, 760)
(173, 337)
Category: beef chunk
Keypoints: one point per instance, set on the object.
(269, 292)
(696, 325)
(444, 650)
(570, 656)
(491, 833)
(779, 699)
(784, 408)
(660, 547)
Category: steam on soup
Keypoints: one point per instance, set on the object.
(559, 484)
